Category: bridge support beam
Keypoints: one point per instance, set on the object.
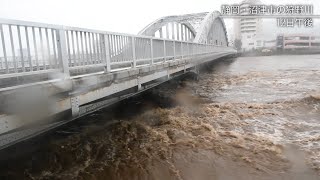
(139, 83)
(75, 106)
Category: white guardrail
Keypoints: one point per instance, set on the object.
(28, 47)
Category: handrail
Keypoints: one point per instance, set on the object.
(33, 47)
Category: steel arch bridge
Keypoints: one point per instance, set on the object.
(207, 28)
(51, 71)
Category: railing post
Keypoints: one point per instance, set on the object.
(188, 50)
(196, 49)
(134, 52)
(164, 50)
(161, 33)
(181, 50)
(107, 52)
(151, 50)
(62, 52)
(174, 49)
(207, 48)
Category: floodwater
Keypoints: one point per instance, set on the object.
(246, 118)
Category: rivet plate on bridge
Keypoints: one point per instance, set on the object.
(75, 106)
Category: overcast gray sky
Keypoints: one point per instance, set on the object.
(127, 16)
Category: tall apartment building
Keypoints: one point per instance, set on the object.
(248, 29)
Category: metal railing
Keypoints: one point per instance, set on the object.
(28, 47)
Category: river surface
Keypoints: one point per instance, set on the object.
(245, 118)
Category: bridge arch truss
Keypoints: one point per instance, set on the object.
(206, 28)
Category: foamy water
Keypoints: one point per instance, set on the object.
(288, 90)
(250, 118)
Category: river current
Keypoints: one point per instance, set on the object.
(245, 118)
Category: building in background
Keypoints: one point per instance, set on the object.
(248, 29)
(293, 42)
(265, 43)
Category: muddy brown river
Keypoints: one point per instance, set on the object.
(248, 118)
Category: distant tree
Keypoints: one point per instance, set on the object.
(237, 44)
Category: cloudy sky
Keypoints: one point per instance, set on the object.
(127, 16)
